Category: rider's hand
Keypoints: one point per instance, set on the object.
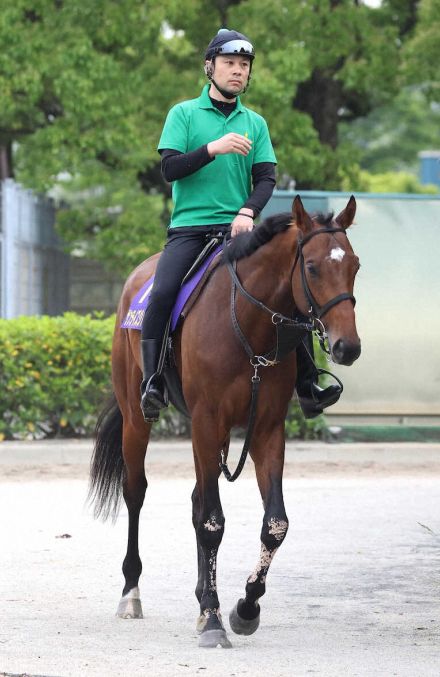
(242, 223)
(230, 143)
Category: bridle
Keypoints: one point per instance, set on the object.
(316, 311)
(289, 332)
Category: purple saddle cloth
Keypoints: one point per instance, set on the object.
(136, 312)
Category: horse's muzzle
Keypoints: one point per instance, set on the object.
(345, 352)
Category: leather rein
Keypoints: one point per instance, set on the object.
(289, 333)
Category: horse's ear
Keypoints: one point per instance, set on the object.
(346, 217)
(300, 216)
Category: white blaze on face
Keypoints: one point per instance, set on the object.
(336, 254)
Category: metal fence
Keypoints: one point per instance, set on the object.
(34, 271)
(397, 238)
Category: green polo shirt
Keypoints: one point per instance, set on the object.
(214, 193)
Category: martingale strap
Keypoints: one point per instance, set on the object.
(289, 333)
(231, 477)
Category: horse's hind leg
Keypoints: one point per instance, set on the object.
(209, 524)
(268, 455)
(134, 440)
(200, 576)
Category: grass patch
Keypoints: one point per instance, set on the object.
(387, 433)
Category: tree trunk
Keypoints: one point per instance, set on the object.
(6, 167)
(321, 97)
(223, 7)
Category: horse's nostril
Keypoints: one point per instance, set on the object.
(345, 352)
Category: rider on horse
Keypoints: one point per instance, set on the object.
(218, 155)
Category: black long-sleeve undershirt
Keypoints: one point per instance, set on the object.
(176, 165)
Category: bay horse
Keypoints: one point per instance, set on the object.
(291, 263)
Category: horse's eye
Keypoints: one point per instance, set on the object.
(311, 268)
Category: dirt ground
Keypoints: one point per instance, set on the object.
(354, 589)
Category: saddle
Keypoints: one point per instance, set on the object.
(192, 285)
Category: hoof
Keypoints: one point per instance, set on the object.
(210, 639)
(130, 605)
(240, 625)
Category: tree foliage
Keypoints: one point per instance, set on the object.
(86, 86)
(422, 52)
(393, 182)
(390, 137)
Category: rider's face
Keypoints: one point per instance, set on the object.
(231, 72)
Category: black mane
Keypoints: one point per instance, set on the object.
(245, 244)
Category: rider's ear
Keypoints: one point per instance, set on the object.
(209, 69)
(346, 217)
(300, 216)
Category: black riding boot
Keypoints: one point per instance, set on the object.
(312, 398)
(153, 396)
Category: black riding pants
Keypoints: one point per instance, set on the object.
(182, 247)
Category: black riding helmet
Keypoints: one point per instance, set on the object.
(228, 42)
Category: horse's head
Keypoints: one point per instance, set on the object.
(323, 278)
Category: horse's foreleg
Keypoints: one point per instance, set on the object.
(245, 617)
(209, 524)
(209, 530)
(135, 440)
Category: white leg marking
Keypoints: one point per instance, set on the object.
(277, 528)
(266, 557)
(130, 605)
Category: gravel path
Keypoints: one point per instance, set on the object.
(354, 590)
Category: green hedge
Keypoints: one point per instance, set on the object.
(55, 376)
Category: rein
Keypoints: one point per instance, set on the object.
(289, 333)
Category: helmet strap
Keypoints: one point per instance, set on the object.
(223, 92)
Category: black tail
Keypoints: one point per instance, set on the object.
(107, 466)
